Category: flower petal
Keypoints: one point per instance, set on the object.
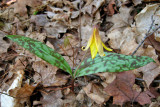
(108, 49)
(98, 42)
(88, 44)
(93, 49)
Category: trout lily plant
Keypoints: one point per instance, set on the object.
(104, 62)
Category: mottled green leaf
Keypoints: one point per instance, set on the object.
(112, 62)
(43, 51)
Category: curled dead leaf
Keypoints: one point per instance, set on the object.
(96, 93)
(122, 90)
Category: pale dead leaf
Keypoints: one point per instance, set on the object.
(122, 19)
(37, 36)
(54, 28)
(136, 2)
(129, 47)
(154, 104)
(144, 20)
(86, 20)
(39, 20)
(69, 100)
(57, 3)
(150, 72)
(88, 2)
(93, 7)
(80, 96)
(96, 93)
(107, 77)
(16, 84)
(7, 12)
(150, 51)
(69, 60)
(120, 37)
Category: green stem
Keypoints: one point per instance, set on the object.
(80, 64)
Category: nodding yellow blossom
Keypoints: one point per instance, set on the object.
(95, 44)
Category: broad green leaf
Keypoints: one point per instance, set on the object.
(43, 51)
(112, 62)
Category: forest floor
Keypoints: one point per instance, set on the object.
(66, 26)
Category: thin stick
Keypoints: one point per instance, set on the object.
(144, 40)
(80, 24)
(144, 80)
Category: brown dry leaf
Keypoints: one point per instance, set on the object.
(20, 63)
(151, 41)
(122, 90)
(111, 8)
(57, 3)
(11, 101)
(157, 35)
(48, 75)
(61, 79)
(61, 17)
(20, 6)
(3, 44)
(96, 93)
(150, 72)
(53, 99)
(47, 72)
(69, 100)
(22, 93)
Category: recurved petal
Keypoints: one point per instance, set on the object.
(108, 49)
(89, 43)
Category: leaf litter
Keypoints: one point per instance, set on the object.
(57, 19)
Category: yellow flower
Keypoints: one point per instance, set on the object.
(95, 44)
